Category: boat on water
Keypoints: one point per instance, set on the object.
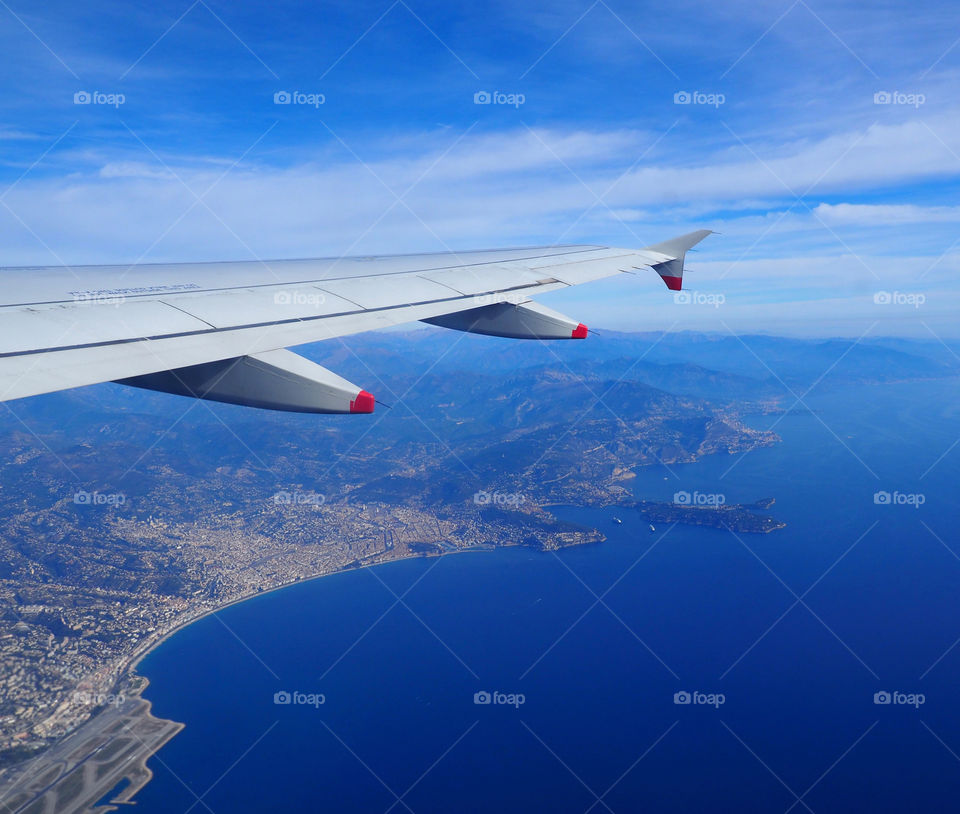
(618, 521)
(652, 527)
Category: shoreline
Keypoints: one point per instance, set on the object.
(21, 789)
(87, 739)
(479, 548)
(133, 684)
(137, 710)
(136, 658)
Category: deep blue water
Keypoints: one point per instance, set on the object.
(599, 718)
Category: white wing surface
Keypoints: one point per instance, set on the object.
(212, 330)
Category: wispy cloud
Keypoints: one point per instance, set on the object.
(887, 214)
(803, 134)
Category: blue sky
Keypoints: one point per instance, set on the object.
(828, 196)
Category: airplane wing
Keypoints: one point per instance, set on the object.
(219, 330)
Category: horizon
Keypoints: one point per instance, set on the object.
(601, 331)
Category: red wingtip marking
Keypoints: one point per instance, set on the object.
(673, 283)
(580, 332)
(363, 403)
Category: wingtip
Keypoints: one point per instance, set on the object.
(363, 403)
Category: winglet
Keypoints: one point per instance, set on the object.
(671, 270)
(678, 246)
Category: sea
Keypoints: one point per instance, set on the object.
(816, 668)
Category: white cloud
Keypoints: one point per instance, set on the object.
(514, 188)
(134, 169)
(16, 135)
(886, 214)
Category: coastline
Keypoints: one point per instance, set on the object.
(32, 780)
(189, 616)
(131, 686)
(137, 657)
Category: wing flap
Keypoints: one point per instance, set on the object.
(83, 323)
(258, 305)
(382, 292)
(585, 271)
(474, 280)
